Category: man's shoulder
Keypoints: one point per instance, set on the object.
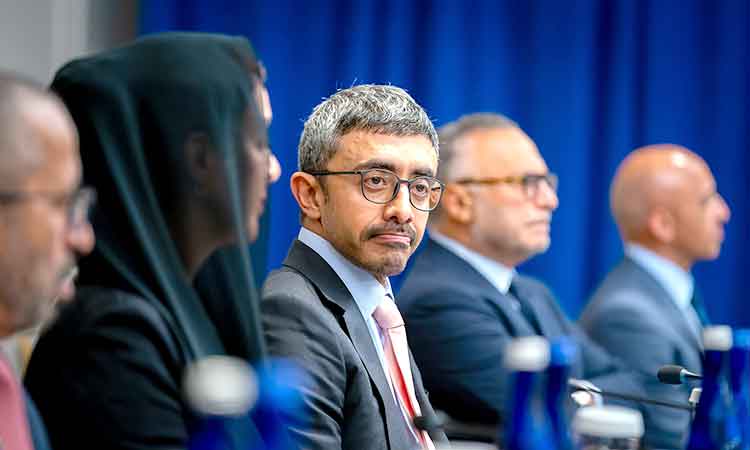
(100, 307)
(287, 291)
(287, 280)
(626, 285)
(625, 294)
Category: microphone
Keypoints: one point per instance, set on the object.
(430, 423)
(672, 374)
(220, 390)
(584, 385)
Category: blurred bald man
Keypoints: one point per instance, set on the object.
(648, 310)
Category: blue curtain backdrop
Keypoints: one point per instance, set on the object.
(588, 80)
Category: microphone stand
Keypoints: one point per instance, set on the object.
(582, 385)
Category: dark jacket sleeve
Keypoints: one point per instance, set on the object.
(104, 376)
(296, 330)
(458, 343)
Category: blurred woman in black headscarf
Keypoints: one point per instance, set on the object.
(173, 138)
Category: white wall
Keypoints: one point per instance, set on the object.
(38, 36)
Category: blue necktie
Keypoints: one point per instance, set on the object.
(700, 308)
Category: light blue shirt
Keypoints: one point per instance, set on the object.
(496, 273)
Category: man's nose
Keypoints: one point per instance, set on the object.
(81, 238)
(400, 208)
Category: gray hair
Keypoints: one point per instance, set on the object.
(453, 131)
(368, 107)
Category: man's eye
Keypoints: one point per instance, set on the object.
(376, 182)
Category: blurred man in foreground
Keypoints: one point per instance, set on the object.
(43, 228)
(648, 310)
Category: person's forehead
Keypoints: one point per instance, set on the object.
(54, 139)
(502, 151)
(403, 152)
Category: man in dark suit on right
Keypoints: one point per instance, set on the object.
(463, 299)
(647, 310)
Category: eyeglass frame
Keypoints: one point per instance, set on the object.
(525, 181)
(78, 203)
(397, 188)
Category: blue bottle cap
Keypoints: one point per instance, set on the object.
(742, 338)
(563, 351)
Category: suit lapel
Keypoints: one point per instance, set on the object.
(512, 318)
(664, 301)
(536, 302)
(332, 289)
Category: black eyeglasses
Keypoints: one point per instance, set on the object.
(529, 183)
(77, 204)
(381, 186)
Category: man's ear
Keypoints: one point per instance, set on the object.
(457, 205)
(661, 224)
(203, 165)
(309, 194)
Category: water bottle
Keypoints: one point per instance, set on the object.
(709, 427)
(279, 399)
(563, 353)
(608, 428)
(739, 364)
(221, 390)
(526, 359)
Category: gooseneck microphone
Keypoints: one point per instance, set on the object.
(584, 385)
(429, 423)
(672, 374)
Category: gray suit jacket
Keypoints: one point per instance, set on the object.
(310, 317)
(633, 317)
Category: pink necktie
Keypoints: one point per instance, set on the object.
(14, 427)
(396, 351)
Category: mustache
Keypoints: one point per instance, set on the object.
(392, 229)
(69, 273)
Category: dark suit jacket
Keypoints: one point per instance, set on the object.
(38, 432)
(632, 316)
(107, 374)
(458, 325)
(310, 317)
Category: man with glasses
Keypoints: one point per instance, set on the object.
(365, 186)
(463, 299)
(43, 228)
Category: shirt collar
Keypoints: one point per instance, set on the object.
(674, 279)
(365, 289)
(496, 273)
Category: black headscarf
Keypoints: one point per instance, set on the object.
(135, 107)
